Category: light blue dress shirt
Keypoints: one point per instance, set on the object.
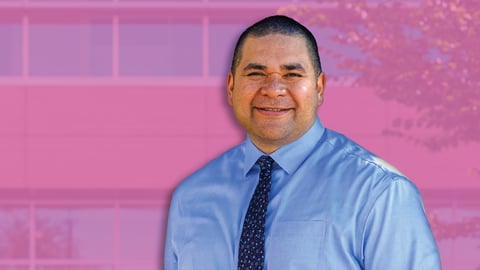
(333, 206)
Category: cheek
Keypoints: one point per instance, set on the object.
(305, 96)
(240, 103)
(243, 95)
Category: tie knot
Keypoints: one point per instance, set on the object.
(265, 163)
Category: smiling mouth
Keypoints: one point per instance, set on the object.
(272, 109)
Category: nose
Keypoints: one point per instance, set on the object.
(273, 85)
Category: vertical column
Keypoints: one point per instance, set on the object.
(115, 41)
(31, 238)
(454, 251)
(115, 46)
(25, 46)
(205, 75)
(32, 241)
(116, 235)
(205, 43)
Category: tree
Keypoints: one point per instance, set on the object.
(422, 54)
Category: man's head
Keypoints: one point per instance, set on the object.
(276, 84)
(278, 24)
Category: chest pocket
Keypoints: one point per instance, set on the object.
(295, 245)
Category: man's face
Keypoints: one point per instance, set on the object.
(275, 92)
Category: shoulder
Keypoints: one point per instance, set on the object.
(217, 170)
(359, 161)
(350, 150)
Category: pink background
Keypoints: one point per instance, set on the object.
(106, 105)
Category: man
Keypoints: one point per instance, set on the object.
(321, 202)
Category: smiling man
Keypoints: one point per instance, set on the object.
(275, 89)
(294, 194)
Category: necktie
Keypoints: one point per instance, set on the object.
(252, 241)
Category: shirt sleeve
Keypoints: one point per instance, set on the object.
(397, 234)
(170, 258)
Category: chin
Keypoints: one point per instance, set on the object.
(276, 139)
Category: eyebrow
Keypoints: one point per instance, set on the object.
(256, 66)
(294, 66)
(288, 67)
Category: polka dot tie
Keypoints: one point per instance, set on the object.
(252, 242)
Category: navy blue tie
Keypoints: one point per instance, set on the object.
(252, 241)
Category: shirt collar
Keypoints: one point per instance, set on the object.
(290, 156)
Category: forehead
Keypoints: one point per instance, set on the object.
(275, 49)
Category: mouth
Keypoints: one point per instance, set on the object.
(272, 109)
(269, 111)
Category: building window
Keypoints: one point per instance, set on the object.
(77, 46)
(80, 232)
(14, 232)
(103, 231)
(153, 46)
(10, 45)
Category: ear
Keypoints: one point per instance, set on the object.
(321, 81)
(230, 88)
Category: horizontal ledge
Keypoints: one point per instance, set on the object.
(93, 196)
(110, 81)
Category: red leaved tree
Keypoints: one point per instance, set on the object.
(422, 54)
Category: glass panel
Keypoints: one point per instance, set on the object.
(78, 47)
(160, 46)
(14, 232)
(142, 231)
(10, 48)
(74, 232)
(223, 36)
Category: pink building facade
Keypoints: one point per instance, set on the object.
(106, 105)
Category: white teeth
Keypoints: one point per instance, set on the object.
(271, 109)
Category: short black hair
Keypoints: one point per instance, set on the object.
(278, 24)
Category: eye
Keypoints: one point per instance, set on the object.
(292, 75)
(255, 74)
